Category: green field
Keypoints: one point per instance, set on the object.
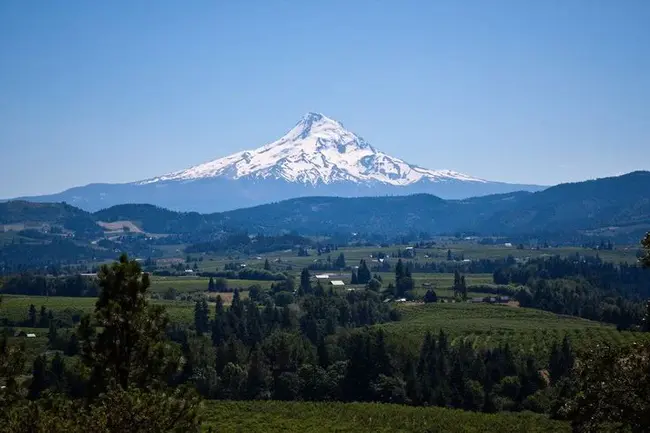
(484, 325)
(276, 416)
(198, 284)
(15, 308)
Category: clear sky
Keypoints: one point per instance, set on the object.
(511, 90)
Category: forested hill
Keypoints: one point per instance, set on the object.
(618, 205)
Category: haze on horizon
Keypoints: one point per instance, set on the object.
(520, 92)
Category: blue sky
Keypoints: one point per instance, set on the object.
(510, 90)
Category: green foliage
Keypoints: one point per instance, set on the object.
(135, 411)
(258, 417)
(129, 348)
(613, 391)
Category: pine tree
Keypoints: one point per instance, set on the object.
(211, 287)
(130, 348)
(259, 377)
(42, 317)
(354, 279)
(399, 270)
(219, 330)
(267, 265)
(39, 378)
(363, 274)
(201, 316)
(52, 335)
(305, 281)
(340, 261)
(430, 297)
(32, 315)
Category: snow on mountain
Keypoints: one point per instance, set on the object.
(317, 150)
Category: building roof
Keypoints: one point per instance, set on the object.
(337, 283)
(322, 276)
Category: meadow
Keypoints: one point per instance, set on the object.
(277, 416)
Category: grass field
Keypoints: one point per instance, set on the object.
(469, 250)
(526, 330)
(196, 284)
(16, 308)
(275, 416)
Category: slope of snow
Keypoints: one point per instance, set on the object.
(318, 150)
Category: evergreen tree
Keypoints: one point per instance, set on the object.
(39, 378)
(399, 270)
(267, 265)
(363, 273)
(52, 334)
(57, 374)
(354, 279)
(259, 377)
(130, 349)
(32, 315)
(339, 263)
(42, 317)
(201, 316)
(430, 297)
(211, 287)
(305, 281)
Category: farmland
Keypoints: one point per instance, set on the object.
(276, 416)
(525, 330)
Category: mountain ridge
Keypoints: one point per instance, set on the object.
(607, 207)
(318, 156)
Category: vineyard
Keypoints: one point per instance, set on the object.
(525, 330)
(276, 416)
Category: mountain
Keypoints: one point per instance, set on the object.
(612, 204)
(317, 157)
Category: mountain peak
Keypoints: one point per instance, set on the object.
(317, 150)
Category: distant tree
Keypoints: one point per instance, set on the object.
(52, 335)
(363, 273)
(32, 315)
(259, 377)
(39, 378)
(211, 287)
(220, 285)
(305, 281)
(353, 278)
(254, 292)
(267, 265)
(340, 261)
(430, 297)
(460, 285)
(450, 257)
(201, 317)
(374, 285)
(42, 317)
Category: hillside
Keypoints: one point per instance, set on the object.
(614, 203)
(615, 206)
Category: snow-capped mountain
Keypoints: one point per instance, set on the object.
(317, 157)
(318, 150)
